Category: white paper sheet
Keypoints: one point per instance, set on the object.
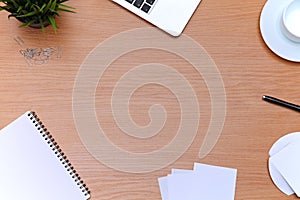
(287, 163)
(204, 182)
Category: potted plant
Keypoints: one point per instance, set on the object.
(35, 13)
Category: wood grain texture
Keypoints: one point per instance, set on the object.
(228, 30)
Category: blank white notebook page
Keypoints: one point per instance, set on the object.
(30, 169)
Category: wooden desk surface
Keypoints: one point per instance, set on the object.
(228, 30)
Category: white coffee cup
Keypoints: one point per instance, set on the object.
(291, 21)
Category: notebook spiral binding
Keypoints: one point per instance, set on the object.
(58, 152)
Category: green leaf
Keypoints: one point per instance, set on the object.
(43, 7)
(53, 23)
(48, 5)
(66, 6)
(42, 24)
(28, 14)
(65, 10)
(19, 9)
(53, 5)
(27, 4)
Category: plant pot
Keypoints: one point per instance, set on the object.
(39, 25)
(34, 25)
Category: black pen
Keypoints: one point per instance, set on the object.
(281, 103)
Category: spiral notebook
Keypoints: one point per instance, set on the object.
(33, 166)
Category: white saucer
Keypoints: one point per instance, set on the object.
(270, 27)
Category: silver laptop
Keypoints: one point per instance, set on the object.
(169, 15)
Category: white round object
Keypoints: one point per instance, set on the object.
(273, 33)
(276, 177)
